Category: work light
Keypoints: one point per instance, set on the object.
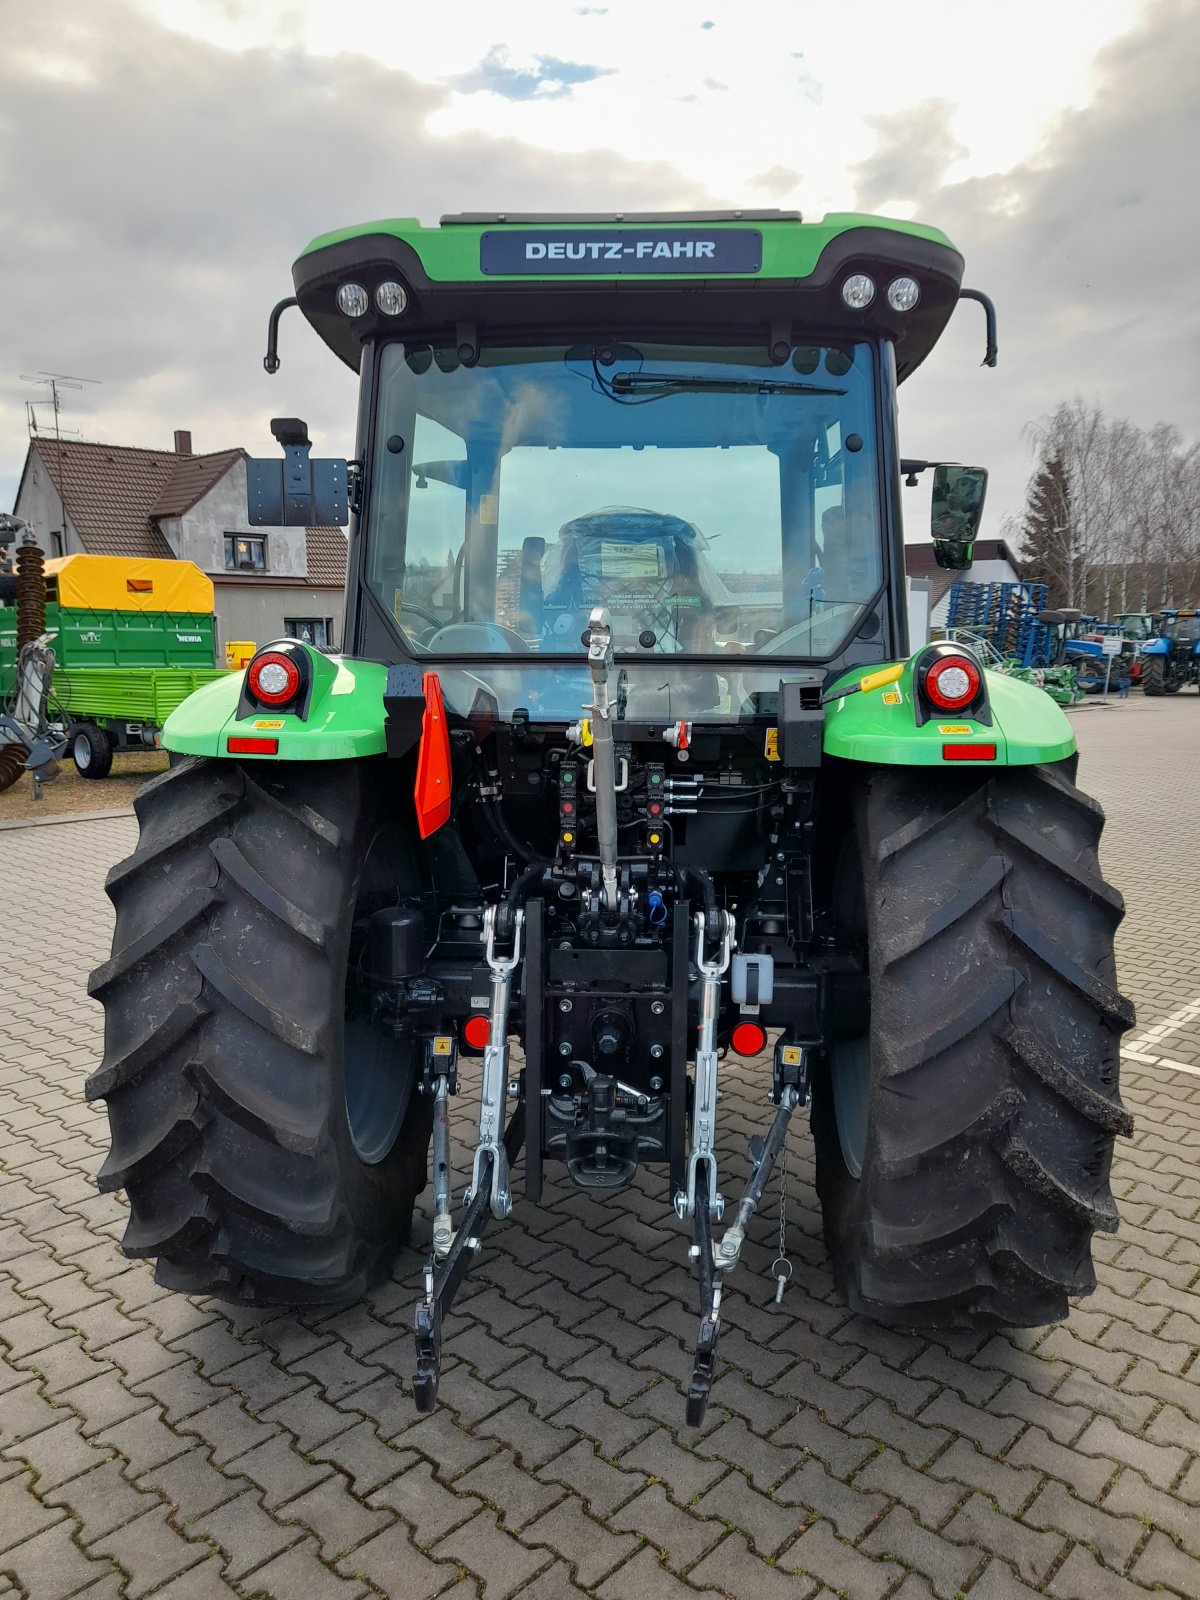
(391, 298)
(352, 300)
(858, 291)
(903, 293)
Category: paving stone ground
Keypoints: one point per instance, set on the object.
(156, 1445)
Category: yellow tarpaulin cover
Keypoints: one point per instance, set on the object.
(130, 583)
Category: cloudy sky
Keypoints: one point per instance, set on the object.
(163, 162)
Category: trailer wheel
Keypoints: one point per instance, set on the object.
(964, 1137)
(266, 1129)
(91, 750)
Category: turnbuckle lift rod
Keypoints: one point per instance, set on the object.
(704, 1105)
(443, 1225)
(444, 1277)
(491, 1164)
(604, 762)
(712, 1263)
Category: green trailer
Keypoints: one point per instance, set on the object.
(132, 639)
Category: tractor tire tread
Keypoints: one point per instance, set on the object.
(226, 1132)
(995, 1027)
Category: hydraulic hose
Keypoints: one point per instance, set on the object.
(496, 821)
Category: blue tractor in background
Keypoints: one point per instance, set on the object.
(1171, 660)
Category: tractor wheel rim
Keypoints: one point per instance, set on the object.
(378, 1079)
(850, 1072)
(379, 1066)
(82, 751)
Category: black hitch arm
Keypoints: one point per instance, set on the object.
(712, 1265)
(443, 1278)
(704, 1364)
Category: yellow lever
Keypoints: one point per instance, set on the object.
(876, 680)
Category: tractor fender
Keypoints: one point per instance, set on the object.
(1026, 727)
(344, 716)
(1156, 647)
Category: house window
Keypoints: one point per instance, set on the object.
(245, 553)
(56, 544)
(314, 630)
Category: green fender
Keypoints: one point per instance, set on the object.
(345, 716)
(880, 725)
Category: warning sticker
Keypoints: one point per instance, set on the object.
(771, 747)
(955, 727)
(892, 697)
(269, 722)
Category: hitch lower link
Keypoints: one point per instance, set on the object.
(715, 1260)
(489, 1193)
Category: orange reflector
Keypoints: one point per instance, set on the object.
(476, 1031)
(252, 747)
(431, 791)
(968, 752)
(748, 1039)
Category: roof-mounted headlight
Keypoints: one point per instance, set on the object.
(903, 293)
(352, 300)
(858, 291)
(391, 298)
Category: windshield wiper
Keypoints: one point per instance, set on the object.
(668, 382)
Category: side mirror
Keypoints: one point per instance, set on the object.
(957, 507)
(296, 492)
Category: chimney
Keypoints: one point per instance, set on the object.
(183, 442)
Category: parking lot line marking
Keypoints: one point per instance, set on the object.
(1138, 1059)
(1163, 1030)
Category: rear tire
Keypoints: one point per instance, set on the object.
(91, 750)
(1152, 675)
(229, 1084)
(991, 1075)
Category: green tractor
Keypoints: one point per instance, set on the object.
(628, 763)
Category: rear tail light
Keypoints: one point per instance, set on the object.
(748, 1039)
(273, 678)
(952, 682)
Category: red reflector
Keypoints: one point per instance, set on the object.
(431, 791)
(748, 1039)
(968, 752)
(252, 747)
(476, 1031)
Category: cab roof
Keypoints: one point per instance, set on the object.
(524, 276)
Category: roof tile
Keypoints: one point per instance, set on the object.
(112, 492)
(326, 549)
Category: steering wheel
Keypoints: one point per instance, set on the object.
(427, 617)
(476, 638)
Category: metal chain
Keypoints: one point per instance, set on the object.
(783, 1203)
(781, 1267)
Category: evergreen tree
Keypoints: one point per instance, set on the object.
(1046, 531)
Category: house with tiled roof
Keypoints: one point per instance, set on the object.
(120, 500)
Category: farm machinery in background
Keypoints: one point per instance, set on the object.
(95, 654)
(1061, 651)
(1170, 657)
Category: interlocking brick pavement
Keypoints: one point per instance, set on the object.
(152, 1445)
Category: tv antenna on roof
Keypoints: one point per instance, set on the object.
(55, 382)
